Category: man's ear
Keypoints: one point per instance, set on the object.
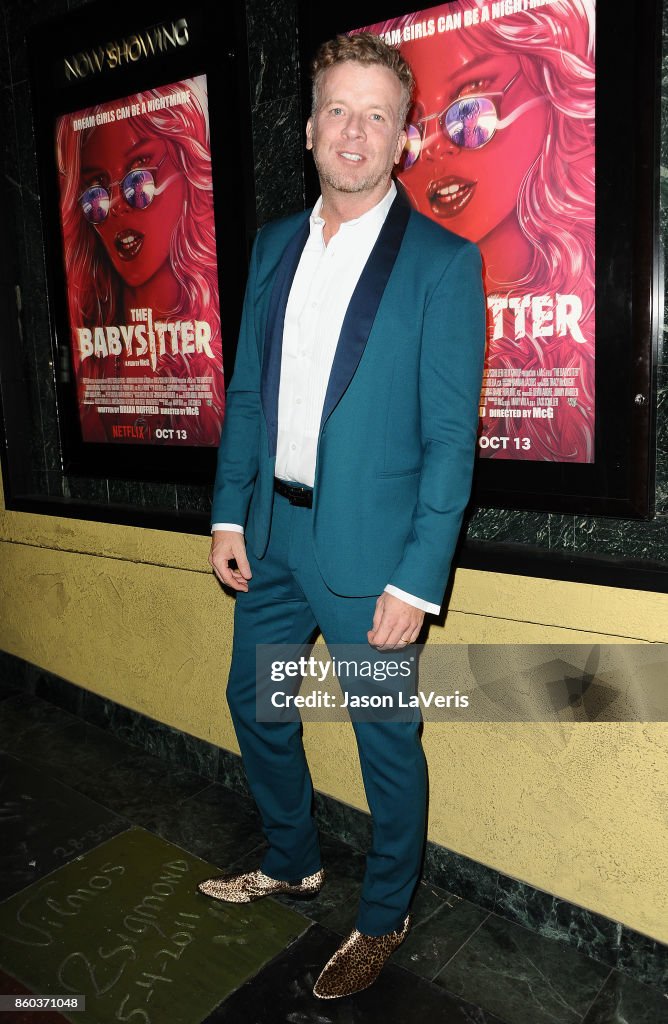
(401, 143)
(309, 133)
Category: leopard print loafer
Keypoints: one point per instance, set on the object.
(357, 963)
(255, 884)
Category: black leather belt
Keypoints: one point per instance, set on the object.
(296, 495)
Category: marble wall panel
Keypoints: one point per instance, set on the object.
(277, 130)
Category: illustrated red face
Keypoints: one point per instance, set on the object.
(132, 195)
(475, 129)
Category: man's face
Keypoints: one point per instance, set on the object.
(471, 118)
(355, 134)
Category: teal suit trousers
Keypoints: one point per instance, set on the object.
(286, 602)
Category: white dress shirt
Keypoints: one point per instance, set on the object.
(321, 291)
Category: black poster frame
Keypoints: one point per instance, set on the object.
(629, 273)
(216, 47)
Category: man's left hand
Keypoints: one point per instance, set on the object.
(395, 623)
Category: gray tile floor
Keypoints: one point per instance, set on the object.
(68, 788)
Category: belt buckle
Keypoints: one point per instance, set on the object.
(299, 498)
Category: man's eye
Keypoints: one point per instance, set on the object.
(377, 117)
(336, 110)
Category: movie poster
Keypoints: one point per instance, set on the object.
(500, 150)
(136, 209)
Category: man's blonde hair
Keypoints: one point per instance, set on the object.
(363, 48)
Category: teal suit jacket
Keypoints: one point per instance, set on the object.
(398, 430)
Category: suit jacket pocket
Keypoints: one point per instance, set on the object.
(398, 472)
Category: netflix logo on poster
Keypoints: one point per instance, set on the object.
(134, 432)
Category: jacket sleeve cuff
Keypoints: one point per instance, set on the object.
(417, 602)
(227, 526)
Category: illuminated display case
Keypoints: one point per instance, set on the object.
(514, 142)
(147, 220)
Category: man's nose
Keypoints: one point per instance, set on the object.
(354, 126)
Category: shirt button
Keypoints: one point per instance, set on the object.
(293, 447)
(298, 401)
(302, 351)
(314, 305)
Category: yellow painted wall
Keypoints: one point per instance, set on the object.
(579, 810)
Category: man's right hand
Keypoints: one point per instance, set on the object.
(228, 546)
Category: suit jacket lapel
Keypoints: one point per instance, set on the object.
(364, 303)
(271, 358)
(357, 322)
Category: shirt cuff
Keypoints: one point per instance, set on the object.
(227, 526)
(417, 602)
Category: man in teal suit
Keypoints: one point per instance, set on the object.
(344, 469)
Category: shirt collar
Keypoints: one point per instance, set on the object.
(379, 211)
